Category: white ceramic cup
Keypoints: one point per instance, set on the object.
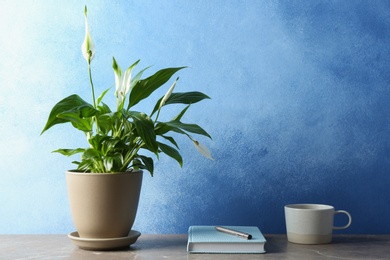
(312, 223)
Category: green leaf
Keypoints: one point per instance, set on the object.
(180, 127)
(193, 128)
(113, 163)
(84, 165)
(172, 152)
(145, 129)
(109, 145)
(86, 110)
(143, 88)
(128, 128)
(108, 162)
(137, 77)
(170, 139)
(181, 114)
(182, 98)
(69, 152)
(68, 103)
(100, 98)
(163, 128)
(147, 164)
(90, 153)
(83, 124)
(97, 140)
(106, 121)
(104, 109)
(91, 161)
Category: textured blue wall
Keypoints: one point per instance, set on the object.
(299, 112)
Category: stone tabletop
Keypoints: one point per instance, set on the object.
(174, 247)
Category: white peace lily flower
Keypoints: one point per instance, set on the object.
(127, 81)
(202, 149)
(168, 94)
(122, 81)
(87, 48)
(118, 78)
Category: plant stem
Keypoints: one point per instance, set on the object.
(158, 113)
(92, 87)
(93, 95)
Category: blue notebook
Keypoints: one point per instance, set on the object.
(206, 239)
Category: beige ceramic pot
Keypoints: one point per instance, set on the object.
(103, 205)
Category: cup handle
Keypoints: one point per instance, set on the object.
(349, 219)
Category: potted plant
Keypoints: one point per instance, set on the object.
(104, 189)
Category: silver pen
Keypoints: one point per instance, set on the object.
(233, 232)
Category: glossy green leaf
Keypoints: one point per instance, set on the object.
(136, 78)
(145, 129)
(144, 163)
(182, 98)
(108, 163)
(104, 109)
(67, 104)
(170, 139)
(97, 140)
(83, 124)
(100, 98)
(109, 146)
(69, 152)
(181, 128)
(90, 153)
(163, 128)
(172, 152)
(181, 114)
(144, 87)
(112, 163)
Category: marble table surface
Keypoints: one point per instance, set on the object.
(174, 247)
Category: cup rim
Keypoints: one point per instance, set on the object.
(309, 206)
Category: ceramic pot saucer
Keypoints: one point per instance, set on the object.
(104, 243)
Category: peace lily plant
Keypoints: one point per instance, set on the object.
(117, 137)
